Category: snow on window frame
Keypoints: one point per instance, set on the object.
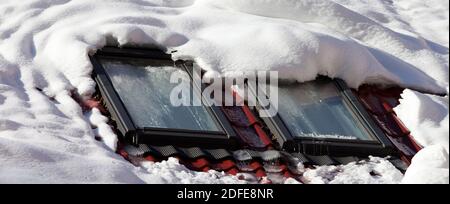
(157, 136)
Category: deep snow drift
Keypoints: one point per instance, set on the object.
(44, 47)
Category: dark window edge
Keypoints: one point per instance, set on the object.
(135, 135)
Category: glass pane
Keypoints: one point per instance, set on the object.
(315, 109)
(144, 87)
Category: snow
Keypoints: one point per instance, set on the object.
(102, 129)
(171, 171)
(429, 166)
(375, 171)
(44, 47)
(429, 18)
(430, 124)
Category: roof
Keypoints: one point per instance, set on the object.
(380, 103)
(258, 154)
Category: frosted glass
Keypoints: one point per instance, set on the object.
(144, 87)
(315, 109)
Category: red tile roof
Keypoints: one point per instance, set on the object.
(258, 155)
(381, 103)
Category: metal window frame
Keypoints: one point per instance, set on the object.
(330, 146)
(226, 138)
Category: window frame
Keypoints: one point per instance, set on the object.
(381, 146)
(227, 138)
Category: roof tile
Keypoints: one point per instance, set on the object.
(219, 154)
(165, 151)
(224, 165)
(199, 164)
(250, 137)
(192, 153)
(390, 125)
(403, 145)
(236, 116)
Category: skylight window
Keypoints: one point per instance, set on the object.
(323, 117)
(144, 87)
(316, 110)
(136, 85)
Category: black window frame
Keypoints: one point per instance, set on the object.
(381, 146)
(227, 138)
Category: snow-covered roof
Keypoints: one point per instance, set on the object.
(261, 159)
(44, 48)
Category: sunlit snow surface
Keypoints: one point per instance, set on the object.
(44, 44)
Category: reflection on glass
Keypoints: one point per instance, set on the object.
(315, 109)
(144, 87)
